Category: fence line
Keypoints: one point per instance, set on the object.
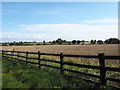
(100, 56)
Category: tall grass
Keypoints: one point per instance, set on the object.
(19, 75)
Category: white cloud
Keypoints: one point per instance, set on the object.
(66, 27)
(102, 21)
(40, 32)
(37, 36)
(73, 31)
(0, 36)
(7, 36)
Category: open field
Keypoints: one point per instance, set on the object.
(108, 49)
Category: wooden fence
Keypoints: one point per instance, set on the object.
(103, 78)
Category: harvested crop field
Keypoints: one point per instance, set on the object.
(108, 49)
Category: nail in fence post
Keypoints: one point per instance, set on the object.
(39, 60)
(102, 68)
(26, 57)
(61, 63)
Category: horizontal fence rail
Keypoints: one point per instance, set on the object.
(112, 57)
(81, 65)
(101, 57)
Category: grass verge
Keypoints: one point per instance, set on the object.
(19, 75)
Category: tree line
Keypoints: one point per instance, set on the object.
(59, 41)
(107, 41)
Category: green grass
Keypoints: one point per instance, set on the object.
(19, 75)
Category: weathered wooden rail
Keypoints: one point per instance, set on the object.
(103, 78)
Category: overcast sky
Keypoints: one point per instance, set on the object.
(38, 21)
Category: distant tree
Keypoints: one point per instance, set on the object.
(99, 42)
(25, 42)
(69, 42)
(4, 44)
(44, 41)
(107, 41)
(78, 41)
(64, 41)
(93, 41)
(34, 41)
(50, 42)
(11, 44)
(59, 41)
(112, 41)
(83, 41)
(14, 42)
(74, 42)
(53, 42)
(21, 43)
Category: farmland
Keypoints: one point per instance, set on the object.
(108, 49)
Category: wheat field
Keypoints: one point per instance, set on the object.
(108, 49)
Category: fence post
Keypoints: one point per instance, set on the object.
(102, 68)
(12, 55)
(39, 59)
(61, 63)
(2, 52)
(26, 57)
(6, 54)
